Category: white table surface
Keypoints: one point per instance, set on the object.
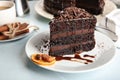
(14, 64)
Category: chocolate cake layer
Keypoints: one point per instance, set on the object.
(72, 30)
(72, 48)
(72, 39)
(69, 25)
(93, 6)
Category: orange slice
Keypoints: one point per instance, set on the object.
(42, 61)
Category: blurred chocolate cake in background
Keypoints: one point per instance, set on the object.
(72, 30)
(92, 6)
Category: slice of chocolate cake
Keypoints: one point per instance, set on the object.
(70, 31)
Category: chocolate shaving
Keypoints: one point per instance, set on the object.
(72, 13)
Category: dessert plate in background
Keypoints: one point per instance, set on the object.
(104, 51)
(39, 8)
(31, 30)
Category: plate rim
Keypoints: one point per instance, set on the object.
(15, 38)
(62, 71)
(40, 2)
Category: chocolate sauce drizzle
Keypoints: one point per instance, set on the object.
(77, 56)
(86, 55)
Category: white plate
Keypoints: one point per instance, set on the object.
(31, 30)
(39, 8)
(104, 51)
